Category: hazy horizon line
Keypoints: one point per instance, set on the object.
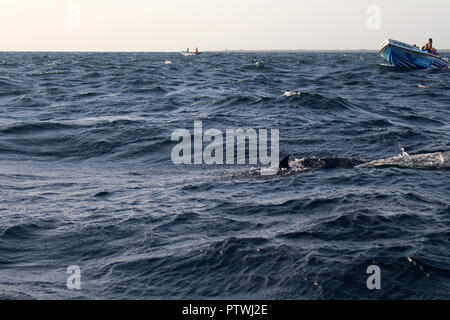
(203, 51)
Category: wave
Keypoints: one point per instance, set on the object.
(26, 231)
(35, 127)
(317, 101)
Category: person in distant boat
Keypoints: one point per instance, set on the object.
(429, 48)
(187, 50)
(196, 50)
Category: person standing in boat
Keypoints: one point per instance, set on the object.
(429, 48)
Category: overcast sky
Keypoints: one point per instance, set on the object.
(174, 25)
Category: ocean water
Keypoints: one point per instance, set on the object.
(86, 178)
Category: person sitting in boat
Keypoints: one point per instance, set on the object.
(196, 50)
(429, 48)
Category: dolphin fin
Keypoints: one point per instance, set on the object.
(284, 163)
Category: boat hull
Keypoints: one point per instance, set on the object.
(184, 53)
(403, 55)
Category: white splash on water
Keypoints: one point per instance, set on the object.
(291, 93)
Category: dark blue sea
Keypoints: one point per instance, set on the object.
(86, 178)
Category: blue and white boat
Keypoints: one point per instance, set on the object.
(403, 55)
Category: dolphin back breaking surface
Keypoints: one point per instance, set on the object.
(425, 161)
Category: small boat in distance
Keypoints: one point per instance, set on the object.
(403, 55)
(188, 53)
